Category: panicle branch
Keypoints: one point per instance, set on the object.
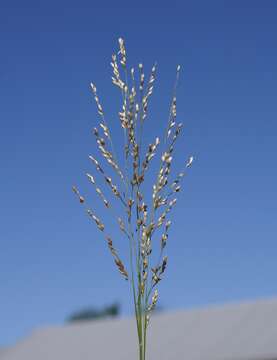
(108, 180)
(98, 190)
(117, 260)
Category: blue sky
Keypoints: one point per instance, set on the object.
(223, 244)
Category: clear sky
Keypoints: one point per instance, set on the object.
(223, 243)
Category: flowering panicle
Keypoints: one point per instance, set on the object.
(143, 217)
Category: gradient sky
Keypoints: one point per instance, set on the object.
(223, 243)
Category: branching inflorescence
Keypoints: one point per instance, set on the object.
(139, 221)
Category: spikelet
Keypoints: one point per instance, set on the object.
(173, 115)
(116, 78)
(133, 93)
(150, 154)
(99, 192)
(123, 117)
(121, 225)
(177, 132)
(121, 268)
(117, 260)
(164, 240)
(91, 178)
(107, 179)
(143, 275)
(106, 133)
(162, 218)
(97, 221)
(100, 109)
(167, 225)
(112, 186)
(164, 265)
(176, 182)
(159, 201)
(76, 191)
(149, 92)
(144, 271)
(175, 186)
(110, 244)
(164, 237)
(146, 239)
(122, 52)
(141, 78)
(107, 155)
(97, 165)
(173, 107)
(155, 279)
(190, 161)
(162, 178)
(154, 301)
